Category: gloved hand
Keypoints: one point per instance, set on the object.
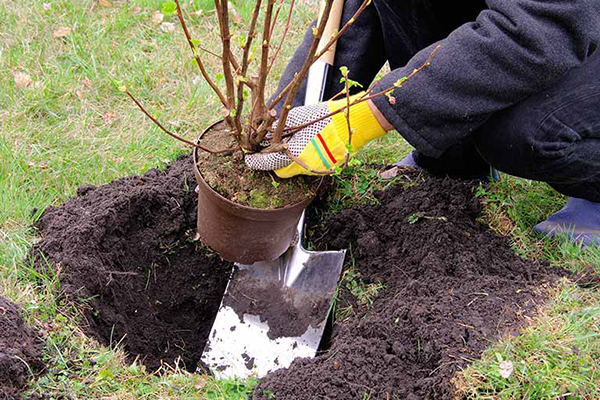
(322, 145)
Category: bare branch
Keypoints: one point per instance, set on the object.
(245, 64)
(348, 24)
(222, 7)
(306, 167)
(258, 107)
(165, 130)
(303, 71)
(367, 96)
(283, 36)
(197, 56)
(347, 114)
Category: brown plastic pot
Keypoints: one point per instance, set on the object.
(243, 234)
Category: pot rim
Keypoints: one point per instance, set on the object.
(303, 203)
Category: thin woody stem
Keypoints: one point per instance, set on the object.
(258, 107)
(306, 167)
(303, 72)
(366, 97)
(283, 36)
(223, 13)
(331, 42)
(347, 114)
(348, 24)
(197, 56)
(234, 123)
(246, 58)
(275, 20)
(165, 130)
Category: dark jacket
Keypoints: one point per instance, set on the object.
(493, 54)
(512, 50)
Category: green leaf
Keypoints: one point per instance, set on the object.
(169, 8)
(344, 70)
(400, 81)
(196, 42)
(104, 374)
(220, 78)
(120, 86)
(242, 41)
(246, 94)
(352, 83)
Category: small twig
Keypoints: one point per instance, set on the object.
(258, 106)
(347, 114)
(245, 63)
(306, 167)
(197, 56)
(367, 97)
(283, 36)
(303, 71)
(348, 24)
(165, 130)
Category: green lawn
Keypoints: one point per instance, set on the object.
(64, 123)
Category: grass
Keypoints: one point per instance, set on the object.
(71, 126)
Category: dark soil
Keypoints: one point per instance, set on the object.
(125, 252)
(19, 344)
(288, 311)
(452, 288)
(228, 175)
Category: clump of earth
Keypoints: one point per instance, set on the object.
(20, 351)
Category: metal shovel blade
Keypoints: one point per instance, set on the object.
(273, 312)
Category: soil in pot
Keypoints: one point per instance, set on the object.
(228, 176)
(20, 351)
(127, 256)
(443, 287)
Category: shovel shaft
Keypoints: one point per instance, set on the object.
(319, 72)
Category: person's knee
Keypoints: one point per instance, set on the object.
(544, 142)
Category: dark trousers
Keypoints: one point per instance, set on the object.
(553, 136)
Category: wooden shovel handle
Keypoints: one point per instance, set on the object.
(333, 25)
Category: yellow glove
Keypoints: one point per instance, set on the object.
(324, 144)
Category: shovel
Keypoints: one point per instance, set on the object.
(274, 312)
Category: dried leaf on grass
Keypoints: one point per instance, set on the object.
(105, 3)
(61, 32)
(167, 27)
(157, 17)
(22, 80)
(109, 117)
(505, 368)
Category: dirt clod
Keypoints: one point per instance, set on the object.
(452, 287)
(20, 351)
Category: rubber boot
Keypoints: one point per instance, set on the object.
(579, 220)
(409, 161)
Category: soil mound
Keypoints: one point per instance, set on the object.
(125, 251)
(20, 351)
(451, 288)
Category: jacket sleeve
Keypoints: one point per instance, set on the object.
(514, 49)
